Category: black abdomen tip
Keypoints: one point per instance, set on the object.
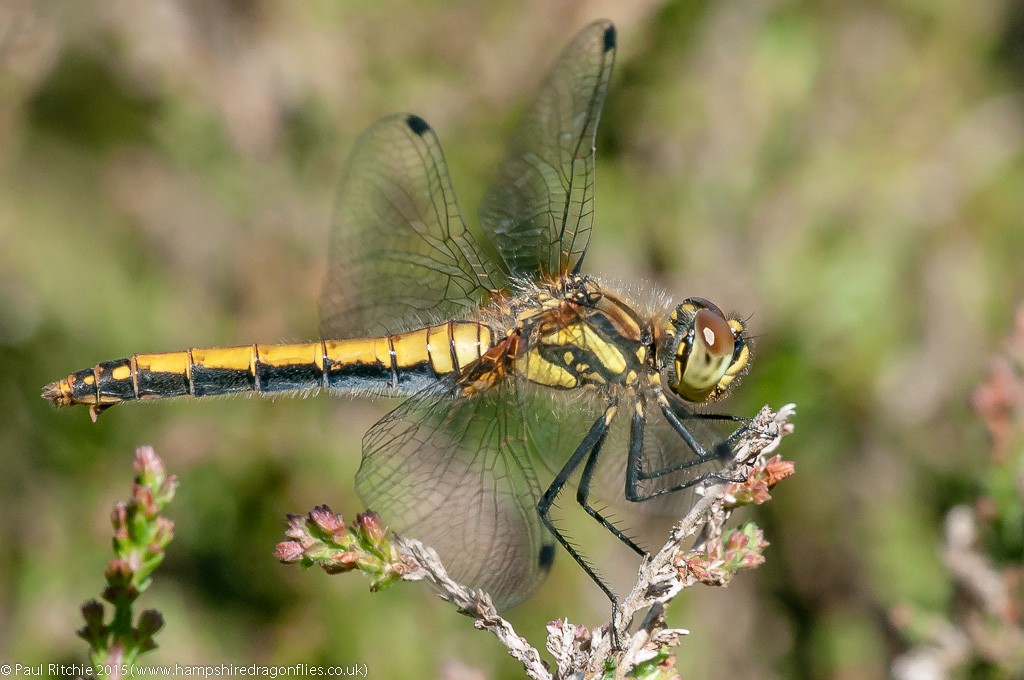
(417, 124)
(609, 38)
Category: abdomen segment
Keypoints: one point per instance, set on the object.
(400, 364)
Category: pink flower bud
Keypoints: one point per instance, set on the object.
(288, 551)
(324, 518)
(371, 525)
(147, 463)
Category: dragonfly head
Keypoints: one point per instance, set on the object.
(706, 350)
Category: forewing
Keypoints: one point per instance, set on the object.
(400, 253)
(456, 473)
(540, 208)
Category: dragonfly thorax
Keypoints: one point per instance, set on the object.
(574, 333)
(706, 350)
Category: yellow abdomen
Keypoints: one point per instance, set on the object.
(402, 363)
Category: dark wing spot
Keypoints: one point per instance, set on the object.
(609, 38)
(417, 124)
(723, 452)
(547, 556)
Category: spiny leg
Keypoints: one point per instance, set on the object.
(593, 439)
(634, 464)
(696, 415)
(583, 496)
(703, 454)
(722, 451)
(721, 417)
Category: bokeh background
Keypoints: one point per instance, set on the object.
(850, 175)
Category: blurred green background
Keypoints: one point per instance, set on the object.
(848, 174)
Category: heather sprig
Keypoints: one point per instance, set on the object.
(322, 538)
(141, 535)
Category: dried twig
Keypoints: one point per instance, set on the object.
(474, 603)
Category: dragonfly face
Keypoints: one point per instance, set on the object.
(708, 351)
(483, 347)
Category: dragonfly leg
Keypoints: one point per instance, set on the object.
(731, 439)
(635, 472)
(716, 416)
(583, 496)
(589, 447)
(721, 450)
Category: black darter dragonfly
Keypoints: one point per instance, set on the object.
(511, 363)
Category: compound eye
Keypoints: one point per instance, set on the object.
(704, 357)
(714, 332)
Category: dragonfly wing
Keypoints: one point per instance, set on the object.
(455, 472)
(400, 253)
(540, 208)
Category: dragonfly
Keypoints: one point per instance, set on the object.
(514, 365)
